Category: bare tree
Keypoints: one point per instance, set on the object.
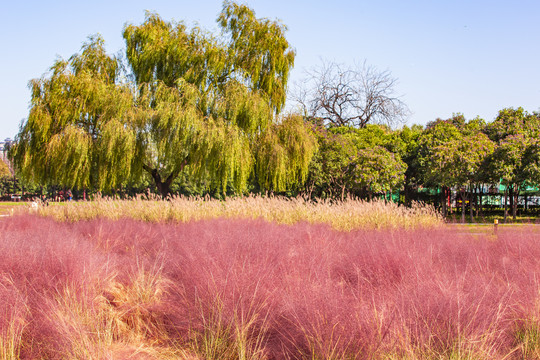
(351, 96)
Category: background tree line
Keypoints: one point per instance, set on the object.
(453, 154)
(187, 111)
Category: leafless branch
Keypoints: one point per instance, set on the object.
(351, 96)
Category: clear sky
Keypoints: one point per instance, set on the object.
(470, 56)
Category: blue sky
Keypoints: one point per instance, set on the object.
(474, 57)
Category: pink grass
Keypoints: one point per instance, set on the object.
(284, 292)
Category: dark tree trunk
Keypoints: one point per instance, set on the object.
(511, 195)
(505, 204)
(443, 202)
(463, 206)
(471, 201)
(477, 192)
(449, 196)
(515, 203)
(163, 186)
(407, 194)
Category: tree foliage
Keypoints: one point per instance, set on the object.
(284, 154)
(198, 110)
(79, 132)
(406, 145)
(196, 103)
(515, 159)
(4, 169)
(261, 56)
(436, 151)
(357, 161)
(511, 122)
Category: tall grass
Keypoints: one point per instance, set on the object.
(250, 289)
(12, 314)
(341, 215)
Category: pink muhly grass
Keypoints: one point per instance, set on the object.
(13, 315)
(40, 258)
(248, 289)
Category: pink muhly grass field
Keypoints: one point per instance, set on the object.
(248, 289)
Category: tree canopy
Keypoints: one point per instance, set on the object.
(207, 109)
(79, 132)
(357, 161)
(190, 101)
(4, 169)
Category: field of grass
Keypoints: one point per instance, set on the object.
(489, 219)
(264, 279)
(342, 215)
(6, 207)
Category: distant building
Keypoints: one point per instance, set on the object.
(4, 146)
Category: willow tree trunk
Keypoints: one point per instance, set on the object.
(163, 186)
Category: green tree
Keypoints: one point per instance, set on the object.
(406, 145)
(80, 129)
(472, 156)
(5, 178)
(4, 169)
(200, 105)
(330, 169)
(355, 161)
(436, 147)
(515, 133)
(468, 156)
(452, 153)
(377, 170)
(514, 163)
(511, 122)
(283, 154)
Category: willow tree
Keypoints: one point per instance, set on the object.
(212, 102)
(79, 132)
(4, 169)
(204, 104)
